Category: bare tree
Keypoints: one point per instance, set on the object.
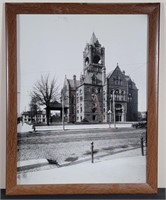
(45, 92)
(34, 108)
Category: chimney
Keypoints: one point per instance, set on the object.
(74, 79)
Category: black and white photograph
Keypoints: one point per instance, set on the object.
(81, 98)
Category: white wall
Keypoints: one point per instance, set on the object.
(162, 89)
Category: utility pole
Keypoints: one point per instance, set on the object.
(92, 152)
(63, 112)
(63, 98)
(114, 109)
(109, 113)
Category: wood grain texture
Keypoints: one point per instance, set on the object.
(153, 11)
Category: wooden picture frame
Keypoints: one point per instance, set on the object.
(152, 10)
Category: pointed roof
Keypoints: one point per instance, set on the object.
(109, 74)
(71, 83)
(93, 39)
(117, 67)
(126, 77)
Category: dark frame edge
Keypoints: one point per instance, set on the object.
(160, 195)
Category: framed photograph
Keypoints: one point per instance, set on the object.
(82, 98)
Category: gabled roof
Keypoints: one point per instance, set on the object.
(26, 113)
(127, 77)
(132, 82)
(39, 112)
(109, 74)
(55, 104)
(71, 83)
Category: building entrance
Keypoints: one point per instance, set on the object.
(118, 112)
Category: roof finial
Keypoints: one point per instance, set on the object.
(117, 64)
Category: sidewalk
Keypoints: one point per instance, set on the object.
(122, 170)
(126, 167)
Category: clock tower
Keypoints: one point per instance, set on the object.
(94, 62)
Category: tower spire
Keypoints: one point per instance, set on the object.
(93, 39)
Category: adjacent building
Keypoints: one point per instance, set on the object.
(39, 117)
(96, 96)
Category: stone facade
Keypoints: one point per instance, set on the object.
(97, 97)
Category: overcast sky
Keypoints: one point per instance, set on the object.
(54, 44)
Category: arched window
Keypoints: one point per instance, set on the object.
(87, 61)
(96, 59)
(117, 91)
(130, 97)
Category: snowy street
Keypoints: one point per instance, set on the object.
(71, 149)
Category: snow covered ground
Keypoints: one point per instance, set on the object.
(82, 126)
(124, 166)
(24, 128)
(118, 170)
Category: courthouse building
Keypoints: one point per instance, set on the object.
(98, 96)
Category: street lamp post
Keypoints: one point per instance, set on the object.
(114, 109)
(63, 98)
(114, 114)
(63, 113)
(109, 112)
